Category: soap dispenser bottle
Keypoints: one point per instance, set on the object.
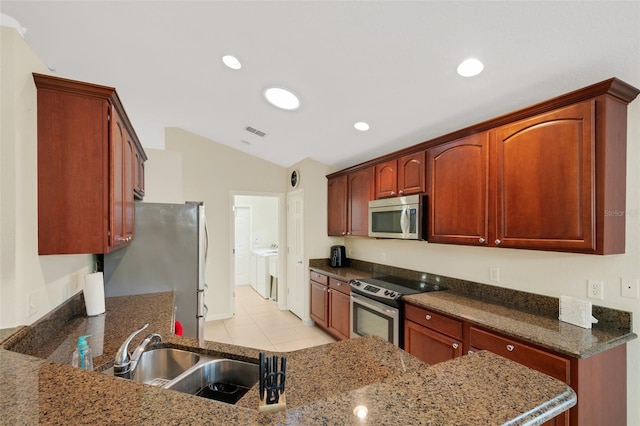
(82, 356)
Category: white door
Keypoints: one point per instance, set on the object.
(242, 254)
(296, 299)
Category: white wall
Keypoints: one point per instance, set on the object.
(25, 277)
(548, 273)
(264, 219)
(211, 172)
(163, 176)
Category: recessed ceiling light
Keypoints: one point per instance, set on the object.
(362, 126)
(282, 98)
(232, 62)
(470, 67)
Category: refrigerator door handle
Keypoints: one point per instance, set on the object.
(201, 304)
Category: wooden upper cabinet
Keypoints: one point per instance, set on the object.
(545, 180)
(337, 206)
(361, 191)
(86, 168)
(551, 176)
(459, 191)
(348, 199)
(401, 176)
(412, 174)
(387, 179)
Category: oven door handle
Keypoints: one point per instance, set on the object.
(375, 306)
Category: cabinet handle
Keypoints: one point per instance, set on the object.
(329, 290)
(401, 192)
(481, 240)
(427, 317)
(498, 242)
(455, 346)
(470, 352)
(343, 232)
(510, 348)
(338, 284)
(393, 192)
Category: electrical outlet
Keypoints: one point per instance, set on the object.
(32, 304)
(494, 274)
(629, 288)
(595, 289)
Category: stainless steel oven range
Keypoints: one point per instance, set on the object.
(376, 305)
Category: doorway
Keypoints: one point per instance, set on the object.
(255, 238)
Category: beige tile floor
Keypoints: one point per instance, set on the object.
(259, 324)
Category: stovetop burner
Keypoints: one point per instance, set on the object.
(389, 289)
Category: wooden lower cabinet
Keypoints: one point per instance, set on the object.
(430, 336)
(339, 309)
(428, 345)
(330, 305)
(319, 302)
(600, 381)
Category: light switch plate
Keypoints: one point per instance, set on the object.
(575, 311)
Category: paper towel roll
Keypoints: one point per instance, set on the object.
(94, 294)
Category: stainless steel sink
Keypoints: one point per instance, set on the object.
(224, 380)
(159, 366)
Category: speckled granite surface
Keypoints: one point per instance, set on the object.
(325, 383)
(530, 317)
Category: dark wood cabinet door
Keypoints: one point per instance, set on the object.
(459, 191)
(361, 191)
(412, 174)
(428, 345)
(339, 311)
(337, 206)
(545, 182)
(129, 167)
(386, 179)
(319, 301)
(72, 163)
(117, 234)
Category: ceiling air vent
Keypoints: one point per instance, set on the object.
(255, 131)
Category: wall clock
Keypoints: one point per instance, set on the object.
(295, 178)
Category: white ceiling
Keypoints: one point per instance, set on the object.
(392, 64)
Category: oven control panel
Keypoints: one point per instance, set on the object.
(370, 289)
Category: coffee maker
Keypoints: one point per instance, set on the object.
(338, 257)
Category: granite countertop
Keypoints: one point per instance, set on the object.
(325, 383)
(538, 324)
(546, 332)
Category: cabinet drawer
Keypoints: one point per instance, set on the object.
(434, 321)
(545, 362)
(319, 278)
(340, 286)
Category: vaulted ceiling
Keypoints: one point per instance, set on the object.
(389, 63)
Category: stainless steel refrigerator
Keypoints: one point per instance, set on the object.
(168, 253)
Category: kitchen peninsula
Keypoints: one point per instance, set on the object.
(325, 383)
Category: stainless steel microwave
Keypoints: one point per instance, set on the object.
(401, 217)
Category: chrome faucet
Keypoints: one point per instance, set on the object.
(125, 363)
